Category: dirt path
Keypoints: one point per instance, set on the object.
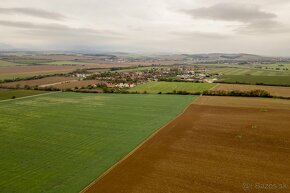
(57, 83)
(49, 93)
(209, 149)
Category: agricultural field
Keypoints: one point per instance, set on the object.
(278, 66)
(24, 61)
(248, 71)
(9, 94)
(210, 148)
(165, 87)
(249, 79)
(27, 71)
(5, 63)
(73, 84)
(66, 63)
(63, 141)
(260, 103)
(247, 74)
(273, 90)
(38, 82)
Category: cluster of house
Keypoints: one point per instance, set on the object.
(125, 85)
(129, 79)
(116, 85)
(197, 77)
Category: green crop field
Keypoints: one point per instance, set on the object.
(31, 74)
(5, 63)
(248, 79)
(8, 94)
(63, 141)
(249, 71)
(30, 61)
(165, 87)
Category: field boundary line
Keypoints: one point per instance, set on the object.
(136, 148)
(217, 84)
(7, 100)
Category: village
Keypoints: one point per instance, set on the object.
(128, 79)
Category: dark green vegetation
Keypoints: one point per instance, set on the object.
(168, 87)
(253, 93)
(249, 79)
(63, 141)
(13, 94)
(29, 61)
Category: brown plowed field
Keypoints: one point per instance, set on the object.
(273, 90)
(31, 70)
(263, 103)
(39, 82)
(209, 149)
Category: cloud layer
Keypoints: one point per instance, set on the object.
(251, 18)
(232, 12)
(148, 26)
(33, 12)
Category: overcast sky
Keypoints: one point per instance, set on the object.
(176, 26)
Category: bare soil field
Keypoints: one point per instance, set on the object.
(32, 70)
(38, 82)
(73, 84)
(214, 149)
(263, 103)
(273, 90)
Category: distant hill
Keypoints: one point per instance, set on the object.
(230, 57)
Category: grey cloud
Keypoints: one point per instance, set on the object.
(33, 12)
(263, 26)
(253, 19)
(231, 12)
(59, 29)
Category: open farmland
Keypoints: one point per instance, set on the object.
(66, 63)
(210, 149)
(273, 90)
(6, 63)
(63, 141)
(277, 66)
(38, 82)
(250, 75)
(249, 79)
(26, 71)
(8, 94)
(29, 61)
(249, 71)
(261, 103)
(73, 84)
(165, 87)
